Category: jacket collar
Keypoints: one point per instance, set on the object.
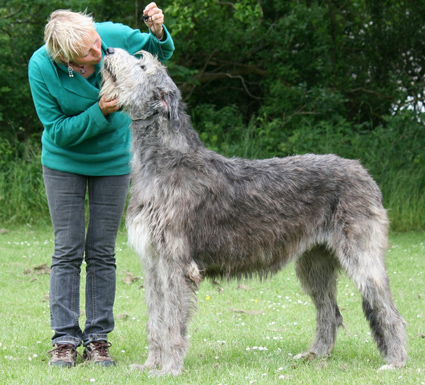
(78, 84)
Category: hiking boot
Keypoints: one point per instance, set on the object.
(63, 355)
(98, 352)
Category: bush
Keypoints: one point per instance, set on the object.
(22, 196)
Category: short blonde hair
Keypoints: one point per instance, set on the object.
(65, 32)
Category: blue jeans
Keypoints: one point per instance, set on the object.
(66, 198)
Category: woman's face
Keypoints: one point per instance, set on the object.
(92, 52)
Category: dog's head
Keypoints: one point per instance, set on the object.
(142, 85)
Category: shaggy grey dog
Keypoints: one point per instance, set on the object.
(194, 214)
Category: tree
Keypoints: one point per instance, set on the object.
(302, 60)
(292, 63)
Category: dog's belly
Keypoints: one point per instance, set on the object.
(242, 261)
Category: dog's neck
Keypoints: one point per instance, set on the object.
(155, 131)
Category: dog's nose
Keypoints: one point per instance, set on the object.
(110, 51)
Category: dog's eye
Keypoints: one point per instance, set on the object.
(142, 67)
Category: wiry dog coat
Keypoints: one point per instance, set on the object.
(194, 213)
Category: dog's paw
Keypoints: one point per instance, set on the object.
(156, 373)
(387, 367)
(160, 373)
(166, 371)
(142, 368)
(307, 356)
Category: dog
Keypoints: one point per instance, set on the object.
(194, 213)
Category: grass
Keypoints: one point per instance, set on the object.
(244, 335)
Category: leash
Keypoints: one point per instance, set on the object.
(145, 18)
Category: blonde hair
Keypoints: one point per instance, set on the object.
(65, 32)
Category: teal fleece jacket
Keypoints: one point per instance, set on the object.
(77, 137)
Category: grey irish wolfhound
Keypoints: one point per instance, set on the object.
(194, 214)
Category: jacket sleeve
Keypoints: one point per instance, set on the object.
(163, 49)
(133, 40)
(63, 130)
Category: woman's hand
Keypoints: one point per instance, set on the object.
(155, 20)
(108, 105)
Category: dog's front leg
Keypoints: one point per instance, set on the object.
(154, 294)
(179, 301)
(177, 304)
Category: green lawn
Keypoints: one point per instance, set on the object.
(245, 335)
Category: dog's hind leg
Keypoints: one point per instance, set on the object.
(388, 327)
(362, 256)
(317, 270)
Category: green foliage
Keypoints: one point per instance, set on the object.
(22, 196)
(261, 78)
(354, 60)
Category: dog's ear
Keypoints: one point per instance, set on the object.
(172, 101)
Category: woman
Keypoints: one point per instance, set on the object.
(86, 144)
